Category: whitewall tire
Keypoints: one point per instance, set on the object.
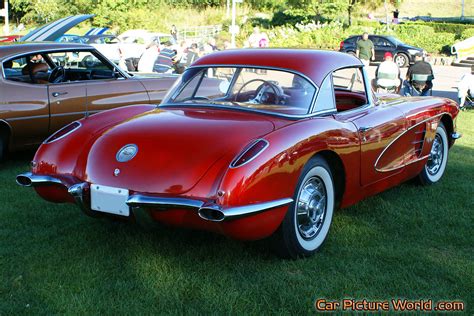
(436, 163)
(307, 222)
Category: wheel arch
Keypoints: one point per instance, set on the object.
(337, 169)
(449, 126)
(5, 131)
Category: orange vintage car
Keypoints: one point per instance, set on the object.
(45, 86)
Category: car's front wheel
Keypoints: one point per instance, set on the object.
(306, 224)
(438, 158)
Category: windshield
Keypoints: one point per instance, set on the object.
(268, 90)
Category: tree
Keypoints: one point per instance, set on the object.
(372, 4)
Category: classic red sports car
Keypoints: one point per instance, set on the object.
(250, 144)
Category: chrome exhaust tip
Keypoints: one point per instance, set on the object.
(211, 214)
(24, 180)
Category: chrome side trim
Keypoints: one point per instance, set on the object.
(140, 200)
(28, 179)
(456, 135)
(396, 138)
(247, 210)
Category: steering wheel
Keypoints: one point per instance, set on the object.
(57, 75)
(262, 91)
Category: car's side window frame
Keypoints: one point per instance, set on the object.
(315, 110)
(51, 64)
(370, 97)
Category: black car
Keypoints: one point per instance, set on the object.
(404, 54)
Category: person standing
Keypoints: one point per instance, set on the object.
(174, 32)
(365, 49)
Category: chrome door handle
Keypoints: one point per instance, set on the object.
(364, 129)
(57, 94)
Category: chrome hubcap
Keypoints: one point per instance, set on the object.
(436, 156)
(311, 208)
(400, 60)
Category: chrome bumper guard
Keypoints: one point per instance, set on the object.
(206, 210)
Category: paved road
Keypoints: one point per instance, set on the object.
(446, 79)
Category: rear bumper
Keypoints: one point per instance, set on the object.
(206, 210)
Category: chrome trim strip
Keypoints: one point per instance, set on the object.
(36, 180)
(247, 210)
(250, 146)
(140, 200)
(456, 135)
(26, 118)
(396, 138)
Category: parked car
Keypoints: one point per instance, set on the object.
(108, 45)
(9, 38)
(45, 86)
(249, 143)
(404, 54)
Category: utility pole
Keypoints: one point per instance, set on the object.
(4, 13)
(462, 10)
(232, 42)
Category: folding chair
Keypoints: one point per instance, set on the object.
(387, 82)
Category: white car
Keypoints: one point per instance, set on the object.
(134, 42)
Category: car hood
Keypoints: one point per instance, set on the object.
(54, 30)
(176, 147)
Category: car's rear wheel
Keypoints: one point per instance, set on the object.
(401, 60)
(438, 158)
(306, 224)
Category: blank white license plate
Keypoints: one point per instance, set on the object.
(109, 200)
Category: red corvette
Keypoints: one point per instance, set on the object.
(250, 144)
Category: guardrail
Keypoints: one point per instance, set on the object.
(463, 49)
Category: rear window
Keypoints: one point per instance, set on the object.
(267, 90)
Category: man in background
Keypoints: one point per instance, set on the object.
(164, 62)
(365, 49)
(387, 75)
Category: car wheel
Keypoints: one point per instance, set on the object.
(401, 60)
(438, 158)
(306, 224)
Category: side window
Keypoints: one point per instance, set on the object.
(82, 65)
(325, 100)
(385, 43)
(349, 88)
(29, 69)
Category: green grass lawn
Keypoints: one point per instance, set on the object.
(409, 242)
